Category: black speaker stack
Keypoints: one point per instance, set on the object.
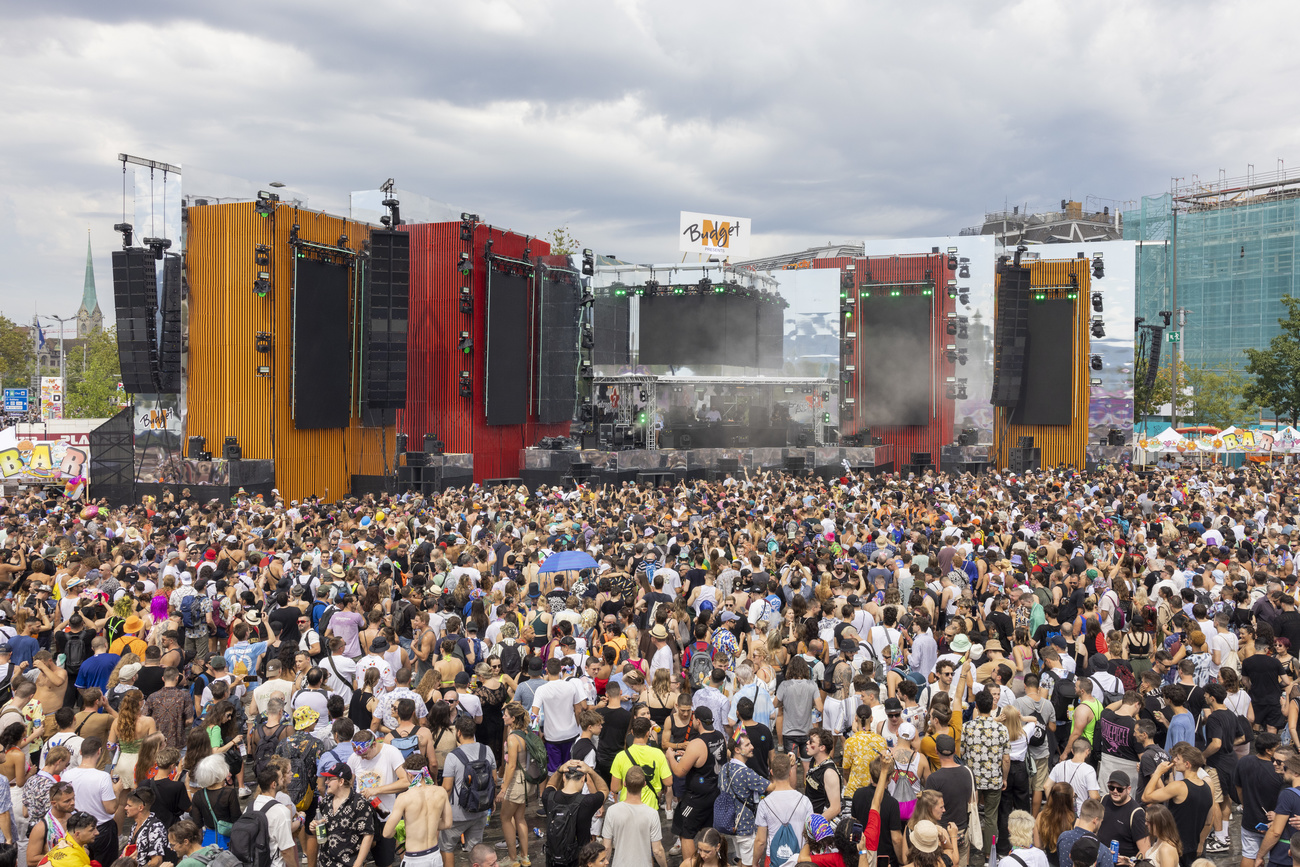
(1010, 334)
(135, 297)
(1024, 460)
(387, 314)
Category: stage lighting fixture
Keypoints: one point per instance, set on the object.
(126, 229)
(262, 285)
(466, 388)
(894, 293)
(952, 288)
(952, 258)
(588, 263)
(157, 246)
(588, 338)
(641, 417)
(962, 324)
(651, 287)
(1094, 361)
(644, 397)
(466, 232)
(470, 218)
(951, 392)
(1096, 302)
(850, 400)
(826, 418)
(1166, 316)
(266, 203)
(961, 389)
(964, 297)
(262, 370)
(789, 389)
(705, 284)
(1098, 329)
(1098, 268)
(588, 298)
(466, 264)
(846, 282)
(927, 291)
(393, 206)
(466, 301)
(951, 327)
(262, 258)
(466, 345)
(585, 369)
(1040, 295)
(1094, 382)
(262, 341)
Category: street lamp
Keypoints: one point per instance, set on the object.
(61, 320)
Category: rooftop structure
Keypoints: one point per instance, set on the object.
(1073, 223)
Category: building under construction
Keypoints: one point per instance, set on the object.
(1220, 256)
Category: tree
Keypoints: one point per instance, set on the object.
(1218, 397)
(562, 242)
(17, 357)
(91, 390)
(1276, 370)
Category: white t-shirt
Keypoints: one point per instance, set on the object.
(1081, 777)
(663, 658)
(341, 683)
(386, 679)
(556, 700)
(471, 704)
(780, 808)
(318, 702)
(92, 788)
(1031, 857)
(379, 771)
(279, 820)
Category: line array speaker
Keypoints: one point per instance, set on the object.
(1010, 335)
(135, 297)
(169, 352)
(388, 293)
(1024, 460)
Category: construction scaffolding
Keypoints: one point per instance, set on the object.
(1238, 240)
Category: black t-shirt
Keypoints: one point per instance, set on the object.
(1265, 675)
(286, 623)
(1221, 724)
(890, 819)
(1195, 700)
(1154, 709)
(1070, 605)
(761, 737)
(1116, 733)
(582, 748)
(1126, 823)
(149, 680)
(693, 578)
(956, 786)
(171, 800)
(1287, 626)
(1260, 785)
(1001, 622)
(1151, 758)
(587, 807)
(611, 733)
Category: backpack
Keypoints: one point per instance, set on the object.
(478, 787)
(266, 744)
(507, 650)
(325, 615)
(700, 672)
(303, 752)
(1040, 735)
(189, 617)
(1104, 695)
(211, 856)
(534, 757)
(562, 832)
(727, 808)
(1065, 693)
(113, 628)
(408, 744)
(784, 845)
(1124, 672)
(250, 837)
(218, 618)
(762, 702)
(651, 779)
(74, 652)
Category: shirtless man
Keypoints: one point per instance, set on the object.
(427, 811)
(51, 683)
(50, 828)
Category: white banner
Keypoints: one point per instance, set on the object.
(710, 233)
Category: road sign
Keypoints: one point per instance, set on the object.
(1175, 336)
(15, 400)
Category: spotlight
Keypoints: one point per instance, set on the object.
(262, 341)
(1167, 317)
(951, 392)
(964, 297)
(585, 369)
(651, 287)
(343, 242)
(262, 258)
(826, 418)
(588, 338)
(466, 229)
(952, 258)
(262, 285)
(125, 229)
(392, 206)
(470, 218)
(1096, 302)
(588, 263)
(588, 298)
(1098, 329)
(466, 301)
(705, 284)
(466, 389)
(1094, 361)
(266, 203)
(951, 327)
(1098, 268)
(962, 332)
(465, 345)
(952, 288)
(961, 389)
(158, 245)
(466, 264)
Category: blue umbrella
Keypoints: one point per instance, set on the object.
(568, 561)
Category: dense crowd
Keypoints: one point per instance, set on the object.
(1057, 669)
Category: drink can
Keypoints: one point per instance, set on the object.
(320, 830)
(1114, 850)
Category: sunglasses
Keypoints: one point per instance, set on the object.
(894, 714)
(1117, 788)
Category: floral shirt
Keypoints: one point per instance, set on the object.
(172, 710)
(724, 649)
(149, 837)
(746, 789)
(345, 828)
(984, 743)
(859, 751)
(36, 796)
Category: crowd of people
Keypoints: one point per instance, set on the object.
(1056, 669)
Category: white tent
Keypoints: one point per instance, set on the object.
(1168, 440)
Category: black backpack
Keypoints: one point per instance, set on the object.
(478, 787)
(250, 836)
(511, 662)
(1065, 694)
(562, 831)
(74, 652)
(1040, 734)
(266, 744)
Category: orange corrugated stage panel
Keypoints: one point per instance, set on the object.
(225, 395)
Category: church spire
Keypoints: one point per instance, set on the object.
(89, 301)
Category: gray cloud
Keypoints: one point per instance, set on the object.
(821, 121)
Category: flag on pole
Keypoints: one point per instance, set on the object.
(40, 336)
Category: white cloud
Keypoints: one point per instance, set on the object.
(821, 120)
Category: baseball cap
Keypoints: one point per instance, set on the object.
(340, 771)
(944, 745)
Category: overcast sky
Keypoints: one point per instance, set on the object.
(819, 120)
